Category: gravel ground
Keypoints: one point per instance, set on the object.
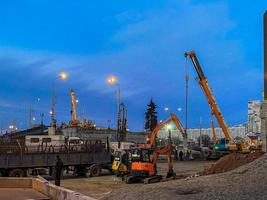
(103, 186)
(248, 182)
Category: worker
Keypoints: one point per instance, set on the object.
(181, 154)
(176, 153)
(58, 170)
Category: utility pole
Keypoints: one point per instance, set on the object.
(109, 121)
(30, 117)
(186, 98)
(53, 104)
(42, 118)
(200, 134)
(264, 104)
(118, 117)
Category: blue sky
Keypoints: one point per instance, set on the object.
(141, 42)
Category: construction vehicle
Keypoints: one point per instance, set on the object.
(223, 144)
(19, 158)
(121, 162)
(144, 157)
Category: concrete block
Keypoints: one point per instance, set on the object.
(9, 182)
(56, 193)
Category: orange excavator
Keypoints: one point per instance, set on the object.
(144, 157)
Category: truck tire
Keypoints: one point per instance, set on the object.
(80, 170)
(17, 173)
(95, 170)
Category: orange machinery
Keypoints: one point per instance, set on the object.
(144, 157)
(203, 82)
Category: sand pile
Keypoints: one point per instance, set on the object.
(230, 162)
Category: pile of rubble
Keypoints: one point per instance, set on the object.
(230, 162)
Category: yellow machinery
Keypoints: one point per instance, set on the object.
(120, 165)
(74, 121)
(227, 143)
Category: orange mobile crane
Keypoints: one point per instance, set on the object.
(227, 142)
(144, 157)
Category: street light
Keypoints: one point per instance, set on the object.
(113, 80)
(62, 76)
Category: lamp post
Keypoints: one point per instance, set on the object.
(112, 80)
(62, 76)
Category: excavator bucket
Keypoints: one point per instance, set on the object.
(171, 174)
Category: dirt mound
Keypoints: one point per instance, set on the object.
(230, 162)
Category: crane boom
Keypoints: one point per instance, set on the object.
(208, 93)
(74, 120)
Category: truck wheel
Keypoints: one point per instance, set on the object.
(95, 170)
(80, 170)
(17, 173)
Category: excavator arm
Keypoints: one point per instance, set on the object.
(164, 150)
(173, 118)
(208, 93)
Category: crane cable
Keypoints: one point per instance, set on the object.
(186, 93)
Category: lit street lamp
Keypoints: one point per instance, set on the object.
(113, 80)
(62, 76)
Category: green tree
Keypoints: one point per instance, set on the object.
(151, 116)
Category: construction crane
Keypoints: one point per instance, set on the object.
(203, 82)
(74, 121)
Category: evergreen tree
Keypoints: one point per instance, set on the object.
(151, 116)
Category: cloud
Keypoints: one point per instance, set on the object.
(149, 58)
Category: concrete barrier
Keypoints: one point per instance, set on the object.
(15, 182)
(43, 186)
(56, 193)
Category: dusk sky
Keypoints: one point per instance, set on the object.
(142, 43)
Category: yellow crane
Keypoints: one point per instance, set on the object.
(74, 121)
(203, 82)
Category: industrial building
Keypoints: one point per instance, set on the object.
(252, 126)
(254, 120)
